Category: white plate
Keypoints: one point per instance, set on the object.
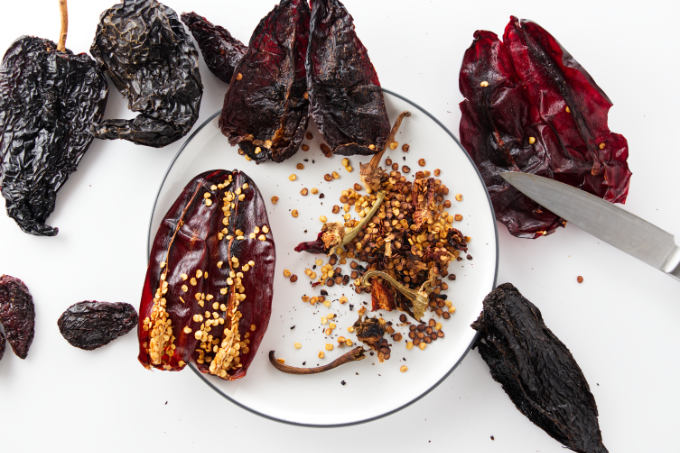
(371, 389)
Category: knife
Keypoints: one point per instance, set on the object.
(602, 219)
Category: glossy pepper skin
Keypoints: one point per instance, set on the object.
(265, 108)
(221, 51)
(153, 62)
(208, 288)
(346, 101)
(530, 106)
(48, 101)
(537, 370)
(91, 324)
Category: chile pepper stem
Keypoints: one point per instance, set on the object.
(369, 170)
(419, 298)
(351, 234)
(357, 353)
(61, 46)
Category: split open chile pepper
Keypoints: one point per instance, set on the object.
(208, 288)
(530, 106)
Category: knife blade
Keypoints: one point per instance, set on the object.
(602, 219)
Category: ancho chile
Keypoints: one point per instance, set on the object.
(536, 370)
(91, 324)
(17, 315)
(152, 60)
(208, 288)
(265, 108)
(530, 106)
(49, 98)
(220, 50)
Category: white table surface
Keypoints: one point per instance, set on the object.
(620, 323)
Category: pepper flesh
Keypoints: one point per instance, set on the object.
(17, 314)
(48, 101)
(346, 101)
(208, 289)
(265, 108)
(531, 107)
(151, 59)
(221, 51)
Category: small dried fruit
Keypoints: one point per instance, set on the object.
(17, 314)
(91, 324)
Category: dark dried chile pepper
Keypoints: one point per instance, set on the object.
(153, 62)
(221, 51)
(49, 98)
(208, 288)
(537, 371)
(2, 344)
(90, 324)
(346, 101)
(17, 314)
(265, 109)
(531, 107)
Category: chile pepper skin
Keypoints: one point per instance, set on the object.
(48, 101)
(265, 108)
(208, 288)
(346, 101)
(151, 59)
(17, 314)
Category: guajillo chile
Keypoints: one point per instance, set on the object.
(49, 99)
(265, 108)
(208, 288)
(530, 106)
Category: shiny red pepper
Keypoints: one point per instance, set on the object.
(208, 289)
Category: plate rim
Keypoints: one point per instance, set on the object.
(204, 377)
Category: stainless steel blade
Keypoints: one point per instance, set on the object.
(602, 219)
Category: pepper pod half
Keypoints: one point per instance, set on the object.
(208, 288)
(530, 106)
(265, 108)
(346, 101)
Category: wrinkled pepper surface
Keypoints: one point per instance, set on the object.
(208, 288)
(17, 315)
(153, 62)
(265, 108)
(530, 106)
(49, 99)
(91, 324)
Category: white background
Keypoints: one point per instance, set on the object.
(620, 323)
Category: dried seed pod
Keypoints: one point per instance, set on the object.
(537, 371)
(17, 314)
(91, 324)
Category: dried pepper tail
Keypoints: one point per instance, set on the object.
(346, 101)
(90, 324)
(265, 108)
(48, 101)
(17, 314)
(537, 371)
(153, 62)
(221, 51)
(208, 289)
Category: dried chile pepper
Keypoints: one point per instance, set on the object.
(531, 107)
(346, 101)
(265, 108)
(536, 370)
(17, 314)
(358, 353)
(371, 332)
(208, 288)
(2, 344)
(151, 59)
(91, 324)
(49, 98)
(221, 51)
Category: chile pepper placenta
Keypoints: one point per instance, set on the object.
(49, 98)
(220, 50)
(346, 101)
(265, 108)
(91, 324)
(531, 107)
(17, 314)
(153, 62)
(537, 371)
(208, 289)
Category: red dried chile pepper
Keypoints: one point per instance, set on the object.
(220, 50)
(208, 289)
(346, 101)
(531, 107)
(17, 314)
(265, 109)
